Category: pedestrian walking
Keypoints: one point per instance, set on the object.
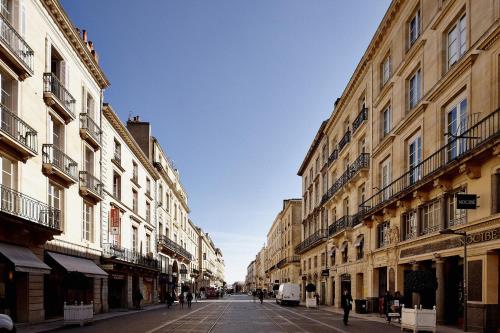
(181, 300)
(387, 305)
(169, 300)
(137, 298)
(346, 305)
(261, 297)
(189, 299)
(316, 296)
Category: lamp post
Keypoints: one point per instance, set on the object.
(465, 287)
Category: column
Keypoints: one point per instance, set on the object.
(415, 296)
(36, 310)
(105, 304)
(440, 295)
(130, 304)
(338, 291)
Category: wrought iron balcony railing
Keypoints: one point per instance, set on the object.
(362, 116)
(339, 225)
(130, 256)
(52, 85)
(478, 135)
(362, 162)
(16, 44)
(345, 140)
(91, 183)
(333, 156)
(52, 155)
(88, 124)
(18, 130)
(312, 240)
(22, 206)
(174, 247)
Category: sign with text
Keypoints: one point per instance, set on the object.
(466, 201)
(115, 221)
(325, 272)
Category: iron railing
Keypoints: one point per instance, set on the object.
(362, 116)
(312, 240)
(174, 247)
(130, 256)
(333, 156)
(362, 162)
(476, 136)
(18, 130)
(345, 140)
(87, 123)
(16, 44)
(339, 225)
(52, 85)
(92, 183)
(52, 155)
(20, 205)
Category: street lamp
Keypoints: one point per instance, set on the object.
(465, 294)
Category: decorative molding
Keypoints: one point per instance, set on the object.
(385, 89)
(441, 15)
(417, 111)
(412, 52)
(491, 38)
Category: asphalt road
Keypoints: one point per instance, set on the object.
(237, 314)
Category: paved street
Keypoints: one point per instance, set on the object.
(234, 314)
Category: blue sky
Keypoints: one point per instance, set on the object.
(235, 91)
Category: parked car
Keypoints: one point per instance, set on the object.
(288, 293)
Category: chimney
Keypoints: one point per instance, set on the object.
(84, 35)
(141, 132)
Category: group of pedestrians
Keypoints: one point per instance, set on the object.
(390, 305)
(259, 294)
(170, 299)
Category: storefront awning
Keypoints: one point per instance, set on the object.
(23, 259)
(359, 240)
(75, 264)
(343, 246)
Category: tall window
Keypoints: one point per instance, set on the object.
(455, 216)
(385, 178)
(414, 158)
(386, 121)
(117, 185)
(345, 253)
(90, 106)
(414, 28)
(57, 129)
(456, 119)
(134, 239)
(134, 201)
(148, 243)
(457, 41)
(8, 202)
(89, 160)
(88, 222)
(325, 153)
(361, 195)
(117, 151)
(148, 211)
(414, 89)
(409, 225)
(56, 198)
(430, 217)
(332, 257)
(160, 195)
(345, 206)
(135, 172)
(325, 182)
(383, 234)
(385, 69)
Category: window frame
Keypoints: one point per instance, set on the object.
(460, 34)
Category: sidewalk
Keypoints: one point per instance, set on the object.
(376, 317)
(50, 325)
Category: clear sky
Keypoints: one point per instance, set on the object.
(235, 91)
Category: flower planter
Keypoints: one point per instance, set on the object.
(78, 313)
(310, 302)
(418, 319)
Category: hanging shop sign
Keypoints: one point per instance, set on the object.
(466, 201)
(325, 272)
(115, 221)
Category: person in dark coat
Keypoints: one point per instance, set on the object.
(346, 305)
(387, 304)
(181, 300)
(261, 297)
(189, 299)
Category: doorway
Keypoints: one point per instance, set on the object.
(322, 293)
(345, 284)
(382, 281)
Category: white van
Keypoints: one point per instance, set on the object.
(288, 293)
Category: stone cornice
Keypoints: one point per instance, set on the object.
(312, 149)
(120, 128)
(62, 20)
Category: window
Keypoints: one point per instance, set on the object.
(414, 158)
(323, 260)
(457, 41)
(117, 185)
(57, 129)
(134, 201)
(325, 182)
(89, 160)
(117, 152)
(175, 212)
(90, 106)
(385, 178)
(409, 225)
(455, 216)
(345, 253)
(361, 196)
(495, 178)
(332, 258)
(56, 197)
(414, 28)
(414, 89)
(345, 206)
(160, 195)
(325, 153)
(134, 239)
(383, 234)
(135, 172)
(431, 216)
(88, 222)
(385, 69)
(456, 120)
(360, 248)
(317, 164)
(148, 211)
(148, 186)
(309, 263)
(386, 121)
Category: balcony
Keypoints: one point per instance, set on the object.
(116, 253)
(340, 225)
(20, 208)
(474, 142)
(59, 165)
(362, 116)
(345, 140)
(290, 260)
(90, 187)
(19, 137)
(311, 241)
(15, 51)
(58, 97)
(89, 131)
(174, 249)
(359, 168)
(333, 156)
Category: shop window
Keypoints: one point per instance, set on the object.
(431, 215)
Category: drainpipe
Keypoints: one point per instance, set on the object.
(101, 98)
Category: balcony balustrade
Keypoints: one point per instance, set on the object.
(90, 131)
(15, 49)
(18, 135)
(333, 156)
(27, 209)
(345, 140)
(362, 116)
(175, 248)
(312, 240)
(58, 164)
(90, 186)
(58, 97)
(130, 256)
(472, 141)
(340, 225)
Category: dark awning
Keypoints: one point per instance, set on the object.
(23, 259)
(75, 264)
